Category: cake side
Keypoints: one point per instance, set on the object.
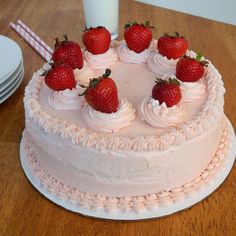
(122, 173)
(135, 203)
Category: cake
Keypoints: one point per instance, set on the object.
(144, 154)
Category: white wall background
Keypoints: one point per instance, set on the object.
(220, 10)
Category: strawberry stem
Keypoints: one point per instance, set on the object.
(169, 81)
(82, 86)
(93, 82)
(173, 81)
(199, 56)
(90, 28)
(58, 42)
(174, 34)
(127, 25)
(65, 37)
(146, 24)
(199, 59)
(107, 73)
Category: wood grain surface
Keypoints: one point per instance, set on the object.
(23, 211)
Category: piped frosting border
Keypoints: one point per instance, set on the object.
(203, 122)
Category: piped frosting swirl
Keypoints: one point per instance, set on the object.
(65, 100)
(160, 65)
(159, 115)
(128, 56)
(192, 91)
(84, 75)
(101, 61)
(104, 122)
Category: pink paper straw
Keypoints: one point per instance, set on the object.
(35, 36)
(33, 43)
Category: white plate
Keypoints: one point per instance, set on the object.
(12, 85)
(208, 187)
(11, 89)
(7, 78)
(10, 57)
(12, 78)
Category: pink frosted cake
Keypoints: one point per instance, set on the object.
(142, 154)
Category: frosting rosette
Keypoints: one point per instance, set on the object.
(129, 56)
(192, 91)
(101, 61)
(191, 54)
(161, 65)
(159, 115)
(65, 100)
(109, 122)
(84, 75)
(115, 44)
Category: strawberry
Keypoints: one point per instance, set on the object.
(172, 46)
(60, 77)
(138, 36)
(97, 40)
(68, 52)
(101, 94)
(190, 69)
(167, 91)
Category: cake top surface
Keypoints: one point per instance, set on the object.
(146, 114)
(134, 82)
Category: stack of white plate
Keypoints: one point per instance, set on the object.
(11, 67)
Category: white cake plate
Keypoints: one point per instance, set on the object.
(202, 193)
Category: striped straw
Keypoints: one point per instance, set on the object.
(35, 36)
(33, 43)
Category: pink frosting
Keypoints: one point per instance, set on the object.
(191, 54)
(134, 203)
(101, 61)
(104, 122)
(160, 115)
(160, 65)
(129, 56)
(192, 91)
(65, 100)
(84, 75)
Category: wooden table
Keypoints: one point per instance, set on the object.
(23, 211)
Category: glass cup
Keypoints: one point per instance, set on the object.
(102, 13)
